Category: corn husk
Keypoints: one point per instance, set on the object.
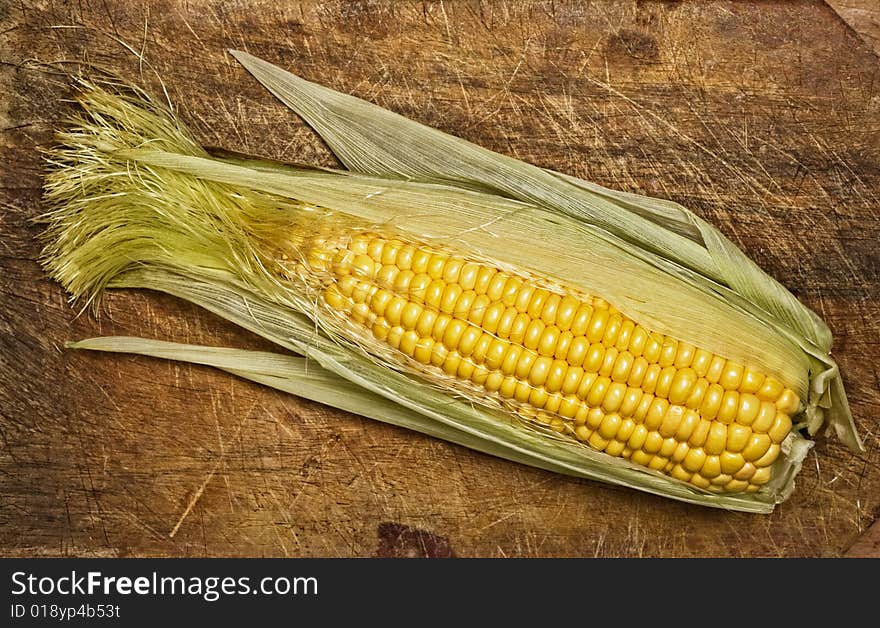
(137, 203)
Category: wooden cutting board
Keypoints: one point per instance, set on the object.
(762, 118)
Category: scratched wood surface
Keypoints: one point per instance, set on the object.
(761, 117)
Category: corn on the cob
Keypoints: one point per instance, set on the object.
(567, 360)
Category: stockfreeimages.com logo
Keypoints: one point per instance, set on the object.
(209, 588)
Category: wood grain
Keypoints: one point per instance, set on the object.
(760, 117)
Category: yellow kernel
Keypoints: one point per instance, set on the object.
(402, 281)
(452, 363)
(578, 351)
(614, 448)
(420, 261)
(380, 329)
(480, 374)
(656, 413)
(717, 439)
(525, 363)
(598, 390)
(639, 341)
(711, 467)
(653, 347)
(736, 486)
(554, 400)
(566, 311)
(598, 322)
(671, 421)
(478, 309)
(737, 437)
(641, 457)
(729, 407)
(668, 448)
(762, 475)
(716, 369)
(454, 331)
(582, 433)
(689, 423)
(582, 319)
(450, 296)
(595, 358)
(572, 379)
(395, 335)
(684, 356)
(495, 290)
(622, 366)
(625, 430)
(438, 354)
(788, 402)
(494, 381)
(637, 372)
(410, 341)
(731, 462)
(466, 369)
(505, 324)
(563, 345)
(538, 397)
(637, 438)
(513, 289)
(597, 442)
(595, 418)
(511, 359)
(540, 371)
(608, 362)
(482, 348)
(533, 334)
(681, 450)
(781, 428)
(652, 374)
(664, 381)
(436, 266)
(360, 313)
(334, 298)
(569, 406)
(667, 353)
(746, 472)
(464, 303)
(523, 390)
(766, 417)
(536, 303)
(483, 278)
(523, 298)
(658, 463)
(624, 336)
(418, 287)
(495, 354)
(653, 443)
(434, 294)
(712, 401)
(694, 460)
(644, 405)
(518, 328)
(697, 394)
(556, 376)
(630, 401)
(720, 480)
(770, 389)
(757, 446)
(749, 407)
(347, 285)
(614, 397)
(609, 338)
(551, 306)
(700, 434)
(610, 425)
(682, 383)
(492, 316)
(751, 382)
(700, 364)
(731, 376)
(700, 482)
(468, 341)
(548, 341)
(679, 473)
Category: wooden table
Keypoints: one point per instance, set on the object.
(762, 118)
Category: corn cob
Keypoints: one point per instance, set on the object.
(567, 360)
